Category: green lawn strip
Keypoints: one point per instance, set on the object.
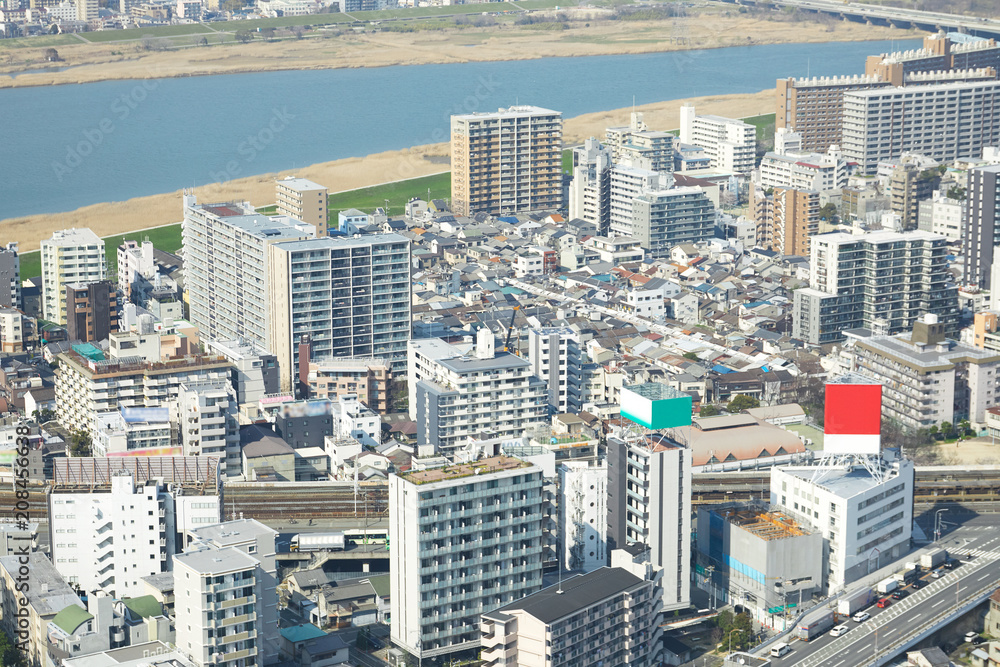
(142, 33)
(398, 193)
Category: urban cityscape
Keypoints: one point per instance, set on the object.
(708, 380)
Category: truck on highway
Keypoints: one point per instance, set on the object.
(815, 624)
(933, 559)
(906, 576)
(855, 602)
(887, 586)
(318, 542)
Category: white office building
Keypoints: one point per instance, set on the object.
(583, 515)
(730, 144)
(556, 356)
(70, 256)
(108, 539)
(649, 502)
(866, 521)
(353, 419)
(466, 539)
(627, 183)
(942, 215)
(636, 144)
(225, 267)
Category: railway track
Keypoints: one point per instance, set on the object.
(321, 501)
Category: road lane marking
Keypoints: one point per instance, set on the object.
(938, 603)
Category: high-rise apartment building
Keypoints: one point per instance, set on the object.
(803, 171)
(254, 372)
(730, 144)
(135, 265)
(943, 122)
(556, 355)
(786, 220)
(813, 107)
(606, 617)
(464, 396)
(303, 200)
(92, 310)
(882, 281)
(350, 296)
(649, 502)
(506, 161)
(626, 184)
(466, 539)
(663, 219)
(109, 539)
(368, 377)
(590, 190)
(583, 515)
(10, 277)
(937, 53)
(636, 144)
(943, 215)
(225, 267)
(913, 181)
(70, 256)
(207, 418)
(928, 378)
(981, 233)
(30, 610)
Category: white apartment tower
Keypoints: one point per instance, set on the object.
(109, 540)
(730, 144)
(207, 415)
(346, 297)
(135, 262)
(303, 200)
(636, 144)
(225, 267)
(466, 539)
(649, 502)
(70, 256)
(466, 396)
(556, 356)
(589, 191)
(583, 515)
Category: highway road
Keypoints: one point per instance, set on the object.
(975, 542)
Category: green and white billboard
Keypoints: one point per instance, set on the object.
(656, 406)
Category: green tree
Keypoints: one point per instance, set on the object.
(9, 655)
(243, 36)
(946, 429)
(690, 355)
(828, 211)
(79, 443)
(742, 402)
(709, 410)
(956, 192)
(933, 431)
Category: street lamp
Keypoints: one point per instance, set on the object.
(731, 638)
(937, 523)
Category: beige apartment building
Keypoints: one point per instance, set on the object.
(70, 256)
(506, 161)
(303, 200)
(786, 220)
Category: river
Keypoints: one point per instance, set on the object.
(63, 147)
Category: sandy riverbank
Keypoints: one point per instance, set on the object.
(118, 217)
(588, 34)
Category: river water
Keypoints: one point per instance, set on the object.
(62, 147)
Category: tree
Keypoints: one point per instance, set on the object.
(201, 41)
(828, 211)
(79, 443)
(956, 192)
(946, 429)
(742, 402)
(690, 355)
(267, 34)
(51, 55)
(933, 431)
(9, 655)
(243, 36)
(709, 410)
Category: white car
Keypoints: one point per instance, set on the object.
(839, 630)
(971, 636)
(861, 617)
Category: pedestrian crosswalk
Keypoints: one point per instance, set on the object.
(976, 553)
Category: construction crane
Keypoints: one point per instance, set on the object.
(510, 331)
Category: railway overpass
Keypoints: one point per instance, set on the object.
(887, 16)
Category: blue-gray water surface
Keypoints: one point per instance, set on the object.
(62, 147)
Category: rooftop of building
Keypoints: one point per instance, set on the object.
(230, 533)
(49, 593)
(573, 595)
(459, 471)
(302, 632)
(843, 482)
(73, 237)
(470, 363)
(929, 356)
(335, 242)
(150, 654)
(162, 582)
(767, 525)
(144, 606)
(216, 561)
(924, 90)
(300, 184)
(523, 110)
(267, 227)
(655, 391)
(71, 618)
